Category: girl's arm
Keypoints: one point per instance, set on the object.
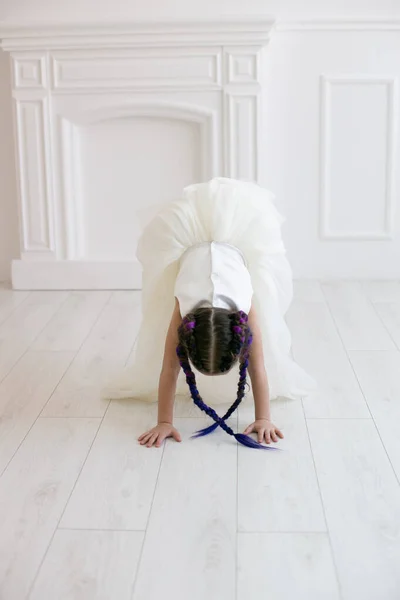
(259, 383)
(257, 372)
(166, 388)
(170, 370)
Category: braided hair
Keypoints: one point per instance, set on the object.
(213, 340)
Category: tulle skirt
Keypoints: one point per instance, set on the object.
(243, 215)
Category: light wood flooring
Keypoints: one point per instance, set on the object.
(88, 514)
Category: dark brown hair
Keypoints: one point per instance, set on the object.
(210, 340)
(213, 339)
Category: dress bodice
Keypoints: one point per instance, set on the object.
(213, 274)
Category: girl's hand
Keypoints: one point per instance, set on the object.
(265, 430)
(156, 436)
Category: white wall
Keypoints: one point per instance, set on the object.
(291, 149)
(54, 10)
(354, 150)
(9, 241)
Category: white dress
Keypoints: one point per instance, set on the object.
(220, 244)
(213, 274)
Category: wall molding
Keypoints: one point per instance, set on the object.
(242, 135)
(243, 65)
(29, 71)
(135, 69)
(252, 31)
(326, 81)
(34, 178)
(135, 35)
(339, 24)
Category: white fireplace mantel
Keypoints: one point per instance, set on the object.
(68, 79)
(108, 35)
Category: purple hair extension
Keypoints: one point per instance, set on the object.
(231, 410)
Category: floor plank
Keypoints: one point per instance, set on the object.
(311, 323)
(24, 393)
(319, 349)
(89, 565)
(19, 331)
(278, 491)
(71, 324)
(103, 354)
(381, 291)
(361, 496)
(307, 291)
(9, 301)
(218, 392)
(358, 324)
(389, 313)
(116, 486)
(33, 492)
(190, 541)
(338, 394)
(378, 373)
(286, 566)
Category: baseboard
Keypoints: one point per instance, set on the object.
(108, 275)
(76, 275)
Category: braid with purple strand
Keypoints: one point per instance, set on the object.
(239, 331)
(239, 339)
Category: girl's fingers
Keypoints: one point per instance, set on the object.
(279, 433)
(145, 437)
(248, 429)
(152, 440)
(176, 435)
(267, 437)
(160, 440)
(273, 436)
(260, 435)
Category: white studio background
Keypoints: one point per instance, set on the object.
(327, 143)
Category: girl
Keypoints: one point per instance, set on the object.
(215, 260)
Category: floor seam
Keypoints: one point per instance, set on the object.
(360, 386)
(31, 587)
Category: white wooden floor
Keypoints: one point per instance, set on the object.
(86, 513)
